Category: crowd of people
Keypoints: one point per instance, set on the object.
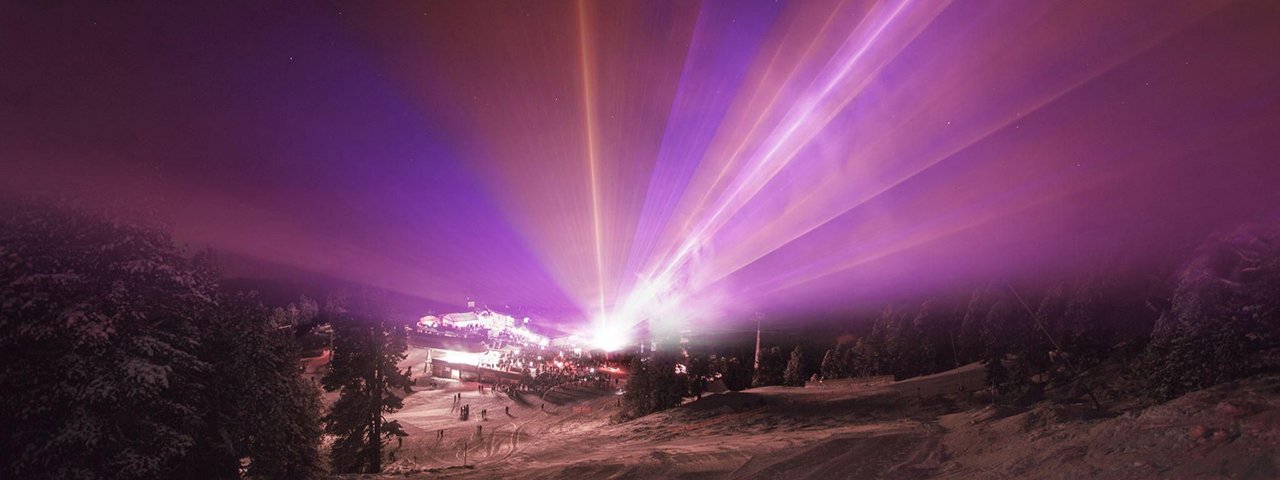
(541, 368)
(570, 368)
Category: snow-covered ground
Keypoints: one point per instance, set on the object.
(909, 429)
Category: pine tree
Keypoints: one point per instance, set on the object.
(127, 361)
(735, 373)
(853, 362)
(996, 373)
(669, 387)
(970, 342)
(1224, 321)
(832, 367)
(875, 354)
(262, 409)
(698, 368)
(794, 375)
(638, 398)
(100, 323)
(654, 385)
(366, 350)
(772, 365)
(285, 424)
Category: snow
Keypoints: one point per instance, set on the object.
(908, 429)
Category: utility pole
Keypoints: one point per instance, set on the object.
(756, 365)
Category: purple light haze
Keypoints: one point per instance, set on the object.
(675, 162)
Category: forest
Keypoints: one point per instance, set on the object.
(124, 356)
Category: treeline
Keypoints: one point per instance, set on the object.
(777, 367)
(655, 383)
(664, 378)
(1212, 319)
(123, 358)
(1216, 319)
(1029, 338)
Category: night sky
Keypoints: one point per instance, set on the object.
(681, 161)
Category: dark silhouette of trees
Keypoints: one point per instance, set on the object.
(853, 360)
(653, 384)
(124, 359)
(1220, 322)
(260, 399)
(638, 398)
(735, 373)
(772, 364)
(698, 368)
(996, 373)
(794, 374)
(670, 387)
(100, 328)
(873, 351)
(1088, 319)
(367, 348)
(970, 343)
(833, 365)
(1224, 320)
(288, 432)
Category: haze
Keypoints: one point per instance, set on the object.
(616, 161)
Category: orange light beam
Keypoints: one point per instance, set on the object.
(589, 114)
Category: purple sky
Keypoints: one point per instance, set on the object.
(683, 160)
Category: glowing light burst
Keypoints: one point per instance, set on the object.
(610, 335)
(799, 125)
(673, 162)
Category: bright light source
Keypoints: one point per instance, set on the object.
(609, 335)
(456, 357)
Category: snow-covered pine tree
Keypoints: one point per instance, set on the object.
(366, 349)
(831, 365)
(794, 375)
(1224, 321)
(261, 407)
(99, 329)
(121, 359)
